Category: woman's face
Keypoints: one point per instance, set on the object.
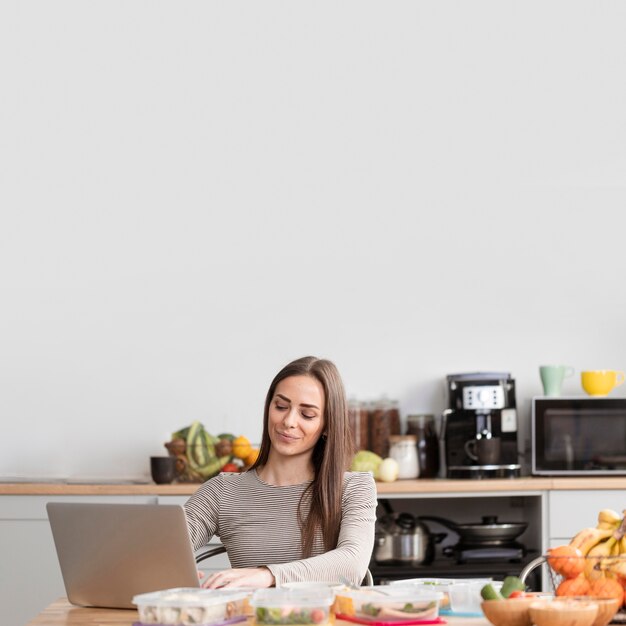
(296, 416)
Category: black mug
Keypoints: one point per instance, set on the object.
(163, 469)
(423, 427)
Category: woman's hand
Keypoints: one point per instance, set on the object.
(240, 577)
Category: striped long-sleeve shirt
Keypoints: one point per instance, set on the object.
(258, 525)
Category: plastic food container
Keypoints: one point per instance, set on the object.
(292, 606)
(386, 603)
(186, 606)
(460, 595)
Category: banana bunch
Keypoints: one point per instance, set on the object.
(603, 546)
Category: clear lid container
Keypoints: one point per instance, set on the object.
(460, 595)
(390, 604)
(190, 605)
(282, 596)
(293, 606)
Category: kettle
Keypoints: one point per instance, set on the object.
(403, 538)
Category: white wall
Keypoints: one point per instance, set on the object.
(194, 193)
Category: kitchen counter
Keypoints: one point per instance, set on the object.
(400, 487)
(62, 613)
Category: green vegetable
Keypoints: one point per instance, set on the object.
(365, 461)
(370, 609)
(181, 434)
(489, 592)
(203, 459)
(278, 617)
(511, 584)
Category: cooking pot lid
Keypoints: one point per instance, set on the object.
(491, 521)
(405, 521)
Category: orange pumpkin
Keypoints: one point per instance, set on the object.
(566, 560)
(607, 588)
(578, 586)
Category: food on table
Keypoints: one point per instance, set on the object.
(578, 586)
(566, 560)
(291, 616)
(190, 606)
(282, 606)
(511, 585)
(460, 595)
(594, 562)
(390, 603)
(607, 588)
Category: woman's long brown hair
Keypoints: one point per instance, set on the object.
(332, 453)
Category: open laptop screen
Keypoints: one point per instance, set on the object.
(108, 553)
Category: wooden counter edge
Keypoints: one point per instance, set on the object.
(400, 487)
(62, 613)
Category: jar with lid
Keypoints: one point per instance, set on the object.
(358, 415)
(384, 421)
(403, 448)
(423, 427)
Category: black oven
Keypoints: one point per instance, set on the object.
(578, 436)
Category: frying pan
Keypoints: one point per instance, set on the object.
(488, 531)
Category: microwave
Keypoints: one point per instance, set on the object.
(578, 436)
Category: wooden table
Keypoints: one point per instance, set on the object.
(62, 613)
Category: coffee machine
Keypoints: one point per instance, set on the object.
(481, 406)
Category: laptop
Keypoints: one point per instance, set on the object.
(108, 553)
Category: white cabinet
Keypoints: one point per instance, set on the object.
(571, 511)
(30, 578)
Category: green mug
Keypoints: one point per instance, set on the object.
(552, 377)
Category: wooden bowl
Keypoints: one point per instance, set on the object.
(607, 608)
(513, 612)
(564, 612)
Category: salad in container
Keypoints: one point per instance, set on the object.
(458, 594)
(284, 606)
(190, 606)
(390, 604)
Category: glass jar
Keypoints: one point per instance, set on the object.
(403, 448)
(359, 424)
(384, 421)
(423, 427)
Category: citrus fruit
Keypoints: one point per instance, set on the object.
(241, 447)
(252, 457)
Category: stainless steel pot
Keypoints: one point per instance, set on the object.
(403, 538)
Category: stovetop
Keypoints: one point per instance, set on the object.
(507, 552)
(443, 567)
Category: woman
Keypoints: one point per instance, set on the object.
(297, 514)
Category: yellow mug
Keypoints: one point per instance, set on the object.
(601, 382)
